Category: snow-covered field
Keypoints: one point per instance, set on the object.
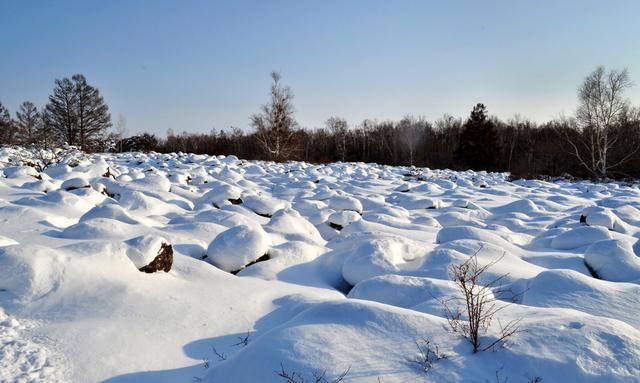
(354, 263)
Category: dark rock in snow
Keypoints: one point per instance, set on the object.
(163, 261)
(265, 257)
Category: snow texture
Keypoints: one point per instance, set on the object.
(338, 267)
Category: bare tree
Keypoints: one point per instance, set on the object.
(121, 130)
(46, 134)
(339, 128)
(601, 105)
(7, 127)
(517, 125)
(78, 111)
(275, 125)
(27, 123)
(480, 304)
(61, 109)
(318, 376)
(93, 116)
(411, 132)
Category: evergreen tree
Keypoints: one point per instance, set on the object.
(7, 127)
(27, 123)
(479, 148)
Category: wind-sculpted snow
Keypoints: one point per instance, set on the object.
(342, 267)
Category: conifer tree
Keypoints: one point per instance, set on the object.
(479, 147)
(27, 123)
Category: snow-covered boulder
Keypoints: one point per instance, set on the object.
(379, 257)
(323, 193)
(571, 289)
(520, 206)
(221, 193)
(21, 172)
(578, 237)
(340, 219)
(461, 203)
(180, 178)
(345, 203)
(290, 223)
(75, 183)
(112, 211)
(403, 188)
(152, 181)
(603, 217)
(235, 248)
(229, 175)
(403, 291)
(263, 205)
(613, 260)
(150, 253)
(453, 233)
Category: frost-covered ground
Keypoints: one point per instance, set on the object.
(353, 264)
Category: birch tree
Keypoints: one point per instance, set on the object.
(275, 125)
(601, 106)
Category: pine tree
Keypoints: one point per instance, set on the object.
(479, 148)
(27, 123)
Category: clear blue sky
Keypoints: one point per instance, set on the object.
(198, 65)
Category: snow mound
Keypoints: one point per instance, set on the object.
(111, 211)
(453, 233)
(262, 205)
(403, 291)
(221, 193)
(237, 247)
(578, 237)
(28, 272)
(290, 222)
(345, 203)
(603, 217)
(570, 289)
(613, 260)
(20, 172)
(144, 249)
(343, 218)
(379, 257)
(324, 330)
(75, 183)
(520, 206)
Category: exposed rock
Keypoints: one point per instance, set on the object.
(163, 261)
(150, 253)
(265, 257)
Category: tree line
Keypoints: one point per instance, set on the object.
(76, 115)
(601, 140)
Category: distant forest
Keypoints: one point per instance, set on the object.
(601, 141)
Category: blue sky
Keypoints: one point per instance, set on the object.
(197, 65)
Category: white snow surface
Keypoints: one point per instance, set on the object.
(75, 308)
